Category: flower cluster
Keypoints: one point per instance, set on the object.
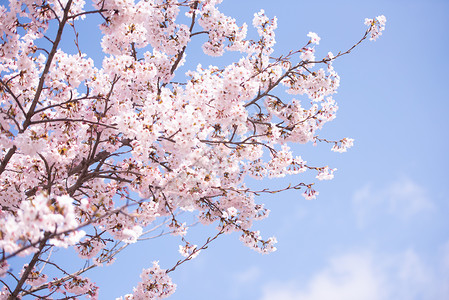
(4, 267)
(222, 30)
(82, 286)
(36, 217)
(326, 173)
(253, 240)
(376, 26)
(155, 284)
(343, 146)
(189, 250)
(36, 278)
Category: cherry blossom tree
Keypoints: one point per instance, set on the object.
(99, 157)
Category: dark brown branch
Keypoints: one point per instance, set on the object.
(197, 33)
(50, 57)
(71, 120)
(6, 87)
(87, 13)
(14, 295)
(7, 158)
(181, 53)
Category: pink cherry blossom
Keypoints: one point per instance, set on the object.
(314, 38)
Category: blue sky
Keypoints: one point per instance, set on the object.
(379, 229)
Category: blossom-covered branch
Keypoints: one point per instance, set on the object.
(93, 157)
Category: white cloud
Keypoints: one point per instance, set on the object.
(413, 277)
(348, 277)
(365, 201)
(248, 276)
(367, 276)
(242, 279)
(445, 254)
(402, 199)
(407, 198)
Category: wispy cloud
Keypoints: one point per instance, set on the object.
(347, 277)
(247, 276)
(414, 278)
(407, 198)
(243, 279)
(402, 199)
(368, 276)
